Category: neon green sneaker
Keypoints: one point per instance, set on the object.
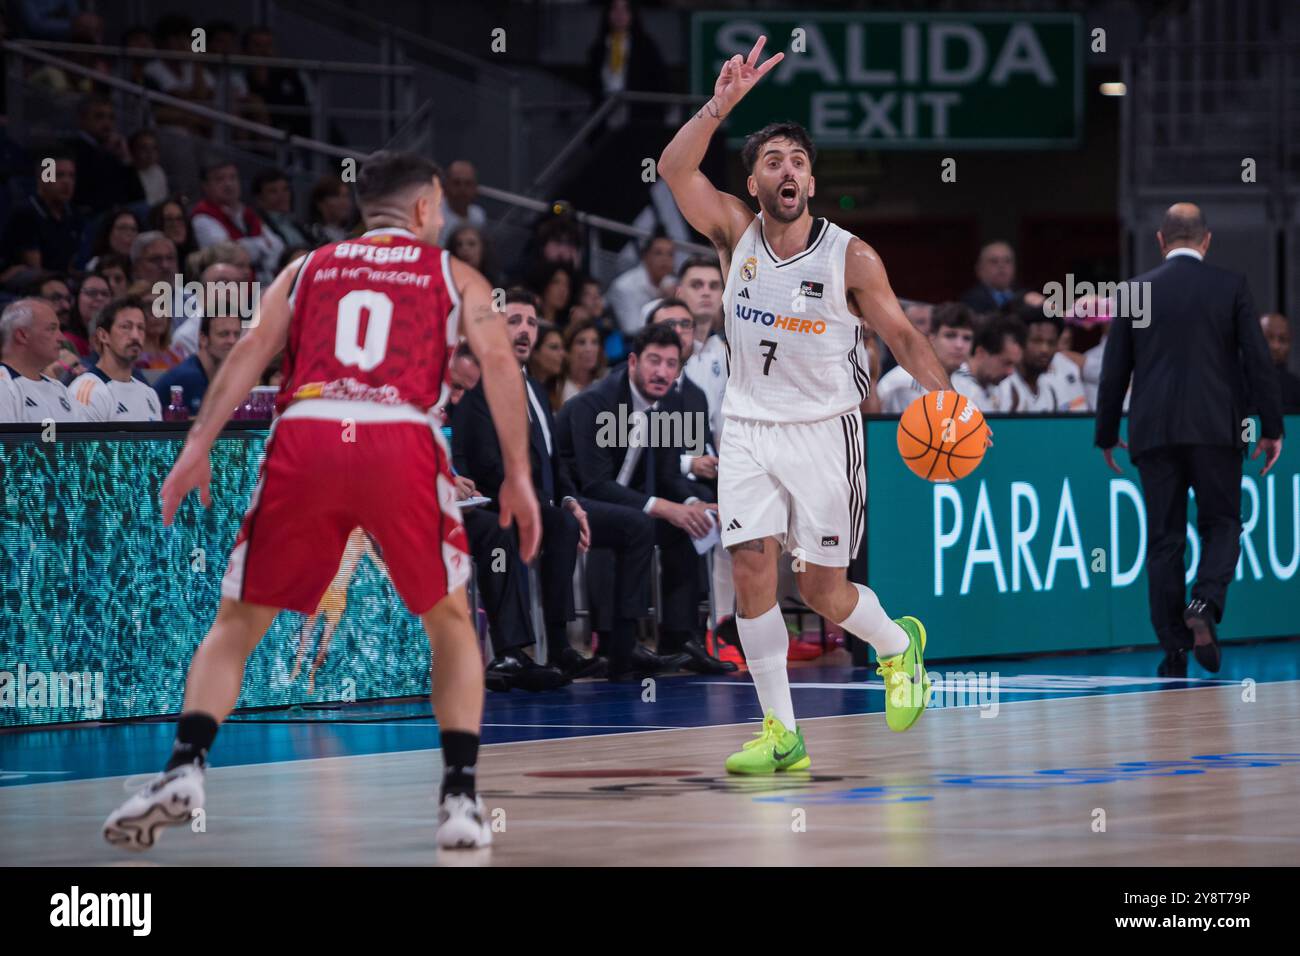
(773, 748)
(907, 685)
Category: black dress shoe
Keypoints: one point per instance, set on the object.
(1174, 664)
(523, 672)
(573, 665)
(702, 662)
(643, 663)
(1199, 616)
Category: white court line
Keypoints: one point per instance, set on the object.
(746, 723)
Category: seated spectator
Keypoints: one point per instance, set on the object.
(108, 392)
(559, 239)
(546, 361)
(1277, 333)
(116, 271)
(631, 292)
(85, 28)
(468, 244)
(146, 168)
(584, 360)
(222, 292)
(273, 195)
(995, 270)
(45, 231)
(567, 527)
(463, 373)
(920, 315)
(117, 231)
(555, 285)
(158, 352)
(29, 342)
(183, 78)
(105, 176)
(168, 217)
(54, 290)
(460, 189)
(951, 337)
(998, 349)
(220, 216)
(137, 38)
(332, 213)
(285, 93)
(66, 367)
(633, 473)
(1043, 381)
(700, 286)
(217, 336)
(153, 263)
(92, 295)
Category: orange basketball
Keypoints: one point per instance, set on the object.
(941, 436)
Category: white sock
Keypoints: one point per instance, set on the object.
(767, 643)
(869, 621)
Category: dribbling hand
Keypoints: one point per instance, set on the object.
(190, 471)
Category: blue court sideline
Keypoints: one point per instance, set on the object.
(105, 750)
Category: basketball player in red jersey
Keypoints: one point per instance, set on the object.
(367, 327)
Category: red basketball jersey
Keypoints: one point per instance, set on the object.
(374, 319)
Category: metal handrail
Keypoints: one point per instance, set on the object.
(165, 99)
(230, 59)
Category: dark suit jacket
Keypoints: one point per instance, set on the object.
(688, 398)
(476, 449)
(1190, 366)
(595, 468)
(980, 299)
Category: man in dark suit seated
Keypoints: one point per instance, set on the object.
(570, 524)
(1195, 358)
(610, 434)
(996, 271)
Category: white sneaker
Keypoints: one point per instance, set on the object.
(462, 823)
(169, 799)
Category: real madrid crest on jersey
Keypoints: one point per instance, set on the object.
(749, 268)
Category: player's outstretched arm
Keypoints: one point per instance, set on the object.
(503, 385)
(718, 215)
(868, 286)
(241, 370)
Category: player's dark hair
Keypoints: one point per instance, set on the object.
(387, 173)
(992, 336)
(653, 334)
(698, 262)
(787, 130)
(519, 295)
(1031, 315)
(955, 315)
(669, 303)
(109, 312)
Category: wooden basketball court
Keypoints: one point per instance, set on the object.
(1182, 775)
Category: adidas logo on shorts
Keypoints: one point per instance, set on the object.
(734, 526)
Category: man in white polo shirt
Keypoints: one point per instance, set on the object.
(109, 392)
(29, 342)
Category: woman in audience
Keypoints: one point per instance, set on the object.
(168, 217)
(116, 271)
(331, 210)
(118, 231)
(556, 287)
(468, 244)
(547, 360)
(93, 293)
(158, 351)
(584, 359)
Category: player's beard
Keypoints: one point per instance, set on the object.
(770, 203)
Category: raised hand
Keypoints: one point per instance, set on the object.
(739, 75)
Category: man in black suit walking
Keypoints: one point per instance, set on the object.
(1194, 356)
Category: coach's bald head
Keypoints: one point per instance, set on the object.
(1183, 228)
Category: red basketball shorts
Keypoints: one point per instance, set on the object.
(332, 466)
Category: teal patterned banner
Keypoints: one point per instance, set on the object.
(101, 607)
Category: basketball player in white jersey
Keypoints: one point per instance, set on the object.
(800, 293)
(108, 392)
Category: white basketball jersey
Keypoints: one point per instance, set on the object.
(795, 351)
